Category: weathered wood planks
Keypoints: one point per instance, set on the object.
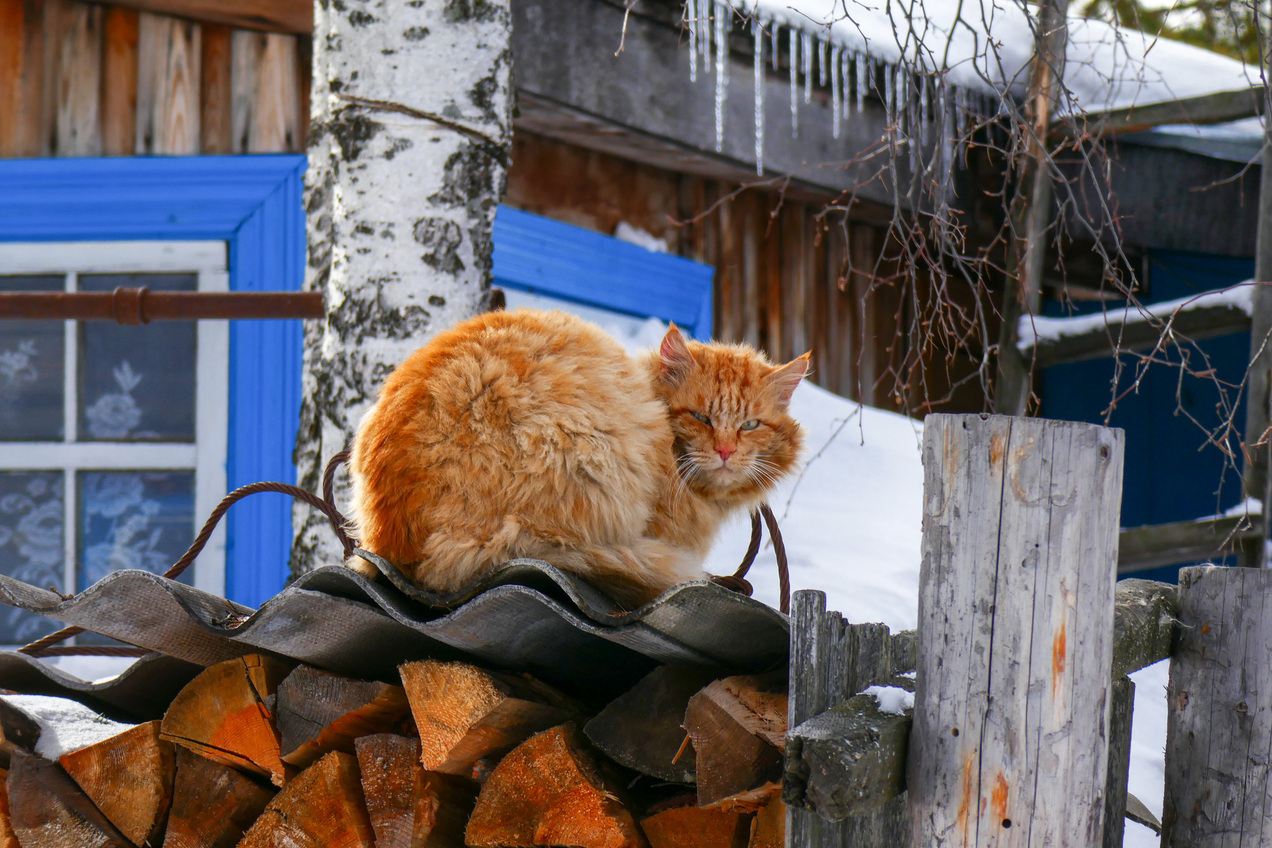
(88, 79)
(1219, 719)
(1011, 718)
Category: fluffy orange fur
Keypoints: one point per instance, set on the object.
(534, 434)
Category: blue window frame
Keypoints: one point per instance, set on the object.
(546, 257)
(254, 204)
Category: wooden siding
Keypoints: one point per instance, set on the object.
(83, 79)
(790, 275)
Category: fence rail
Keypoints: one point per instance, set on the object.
(1021, 728)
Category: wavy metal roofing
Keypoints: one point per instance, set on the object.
(528, 617)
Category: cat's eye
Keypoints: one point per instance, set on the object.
(750, 425)
(704, 419)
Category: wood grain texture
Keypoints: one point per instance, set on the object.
(119, 81)
(265, 79)
(215, 89)
(212, 804)
(830, 662)
(168, 83)
(694, 827)
(21, 76)
(294, 16)
(224, 714)
(643, 728)
(1219, 719)
(129, 777)
(1009, 745)
(48, 810)
(549, 791)
(323, 807)
(1115, 796)
(408, 806)
(8, 839)
(77, 69)
(317, 711)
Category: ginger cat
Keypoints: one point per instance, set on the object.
(534, 434)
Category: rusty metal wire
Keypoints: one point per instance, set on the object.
(737, 580)
(42, 647)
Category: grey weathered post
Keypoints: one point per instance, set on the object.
(1219, 724)
(1009, 746)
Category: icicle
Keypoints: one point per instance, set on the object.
(823, 61)
(691, 18)
(902, 101)
(793, 60)
(841, 71)
(861, 82)
(704, 33)
(834, 91)
(775, 30)
(722, 21)
(925, 125)
(888, 100)
(807, 56)
(758, 31)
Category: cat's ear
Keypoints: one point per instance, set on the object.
(677, 359)
(784, 380)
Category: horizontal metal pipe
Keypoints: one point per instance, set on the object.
(141, 305)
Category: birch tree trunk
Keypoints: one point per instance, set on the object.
(409, 138)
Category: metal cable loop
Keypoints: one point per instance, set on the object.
(40, 647)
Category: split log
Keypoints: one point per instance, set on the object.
(322, 807)
(17, 731)
(549, 791)
(768, 828)
(738, 731)
(696, 827)
(317, 711)
(48, 810)
(847, 761)
(223, 715)
(644, 728)
(8, 839)
(212, 804)
(129, 777)
(408, 806)
(465, 715)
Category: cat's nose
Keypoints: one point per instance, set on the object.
(725, 452)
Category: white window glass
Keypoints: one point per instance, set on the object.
(112, 438)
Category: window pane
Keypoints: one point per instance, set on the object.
(133, 519)
(31, 548)
(31, 367)
(136, 384)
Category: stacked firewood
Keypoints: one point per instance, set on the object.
(255, 753)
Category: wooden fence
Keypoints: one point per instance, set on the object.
(1020, 730)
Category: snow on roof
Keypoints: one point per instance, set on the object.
(1036, 328)
(983, 48)
(1107, 67)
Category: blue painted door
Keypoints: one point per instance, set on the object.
(1172, 472)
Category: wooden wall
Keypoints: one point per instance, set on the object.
(790, 276)
(83, 79)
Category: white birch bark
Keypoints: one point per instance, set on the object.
(408, 149)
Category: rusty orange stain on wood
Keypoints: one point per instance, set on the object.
(997, 446)
(999, 797)
(966, 802)
(1205, 628)
(1058, 655)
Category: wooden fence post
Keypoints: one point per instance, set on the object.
(1219, 724)
(1011, 716)
(832, 660)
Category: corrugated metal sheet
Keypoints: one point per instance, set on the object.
(528, 617)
